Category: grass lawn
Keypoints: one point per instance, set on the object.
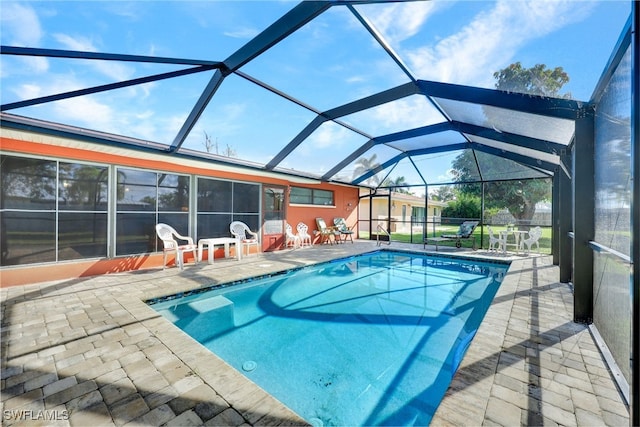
(545, 240)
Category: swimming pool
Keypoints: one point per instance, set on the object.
(366, 340)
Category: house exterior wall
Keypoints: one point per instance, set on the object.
(36, 145)
(399, 203)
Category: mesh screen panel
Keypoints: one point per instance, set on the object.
(612, 298)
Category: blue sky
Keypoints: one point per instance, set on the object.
(327, 63)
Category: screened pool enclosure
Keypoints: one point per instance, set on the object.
(332, 91)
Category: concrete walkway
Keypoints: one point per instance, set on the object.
(89, 352)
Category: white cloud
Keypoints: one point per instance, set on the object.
(142, 91)
(21, 27)
(75, 43)
(242, 33)
(491, 40)
(125, 9)
(87, 110)
(20, 24)
(27, 91)
(144, 126)
(83, 109)
(356, 79)
(174, 123)
(55, 84)
(224, 125)
(405, 113)
(144, 115)
(114, 70)
(399, 22)
(24, 65)
(98, 112)
(328, 135)
(395, 116)
(152, 51)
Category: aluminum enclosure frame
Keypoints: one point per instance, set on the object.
(572, 191)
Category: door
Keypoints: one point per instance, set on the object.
(376, 216)
(273, 217)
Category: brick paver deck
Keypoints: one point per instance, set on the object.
(89, 352)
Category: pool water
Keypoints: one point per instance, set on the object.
(367, 340)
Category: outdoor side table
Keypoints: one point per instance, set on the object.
(211, 244)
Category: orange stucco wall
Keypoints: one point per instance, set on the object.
(346, 201)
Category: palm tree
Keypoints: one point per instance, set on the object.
(364, 165)
(398, 185)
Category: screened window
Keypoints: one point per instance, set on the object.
(145, 198)
(221, 202)
(82, 187)
(82, 211)
(173, 193)
(310, 196)
(52, 211)
(136, 190)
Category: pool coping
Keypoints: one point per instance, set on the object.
(485, 342)
(240, 392)
(204, 357)
(170, 297)
(158, 300)
(65, 336)
(529, 363)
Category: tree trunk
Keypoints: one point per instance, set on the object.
(525, 216)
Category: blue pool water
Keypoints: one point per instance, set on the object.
(367, 340)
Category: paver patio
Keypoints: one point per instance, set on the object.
(90, 352)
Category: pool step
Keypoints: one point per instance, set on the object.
(203, 319)
(214, 315)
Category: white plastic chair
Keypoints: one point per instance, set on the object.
(290, 238)
(243, 233)
(494, 240)
(534, 235)
(170, 237)
(303, 234)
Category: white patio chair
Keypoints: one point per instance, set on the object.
(534, 236)
(290, 238)
(303, 233)
(170, 237)
(243, 233)
(495, 242)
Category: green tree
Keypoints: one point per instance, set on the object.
(520, 196)
(443, 193)
(464, 206)
(537, 80)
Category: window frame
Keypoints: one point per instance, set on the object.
(253, 219)
(157, 213)
(59, 211)
(312, 197)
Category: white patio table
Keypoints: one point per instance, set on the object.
(517, 235)
(211, 244)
